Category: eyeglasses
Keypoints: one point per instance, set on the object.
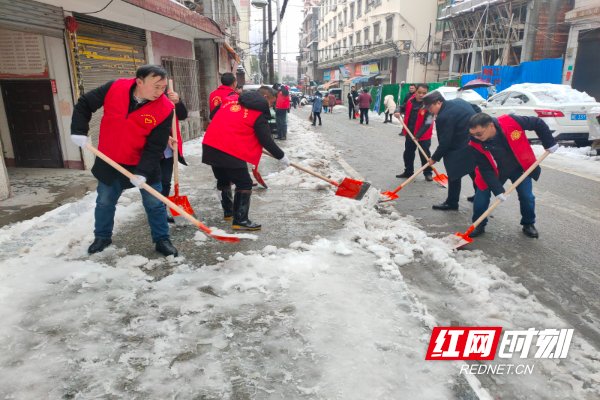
(480, 134)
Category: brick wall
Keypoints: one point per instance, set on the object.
(552, 35)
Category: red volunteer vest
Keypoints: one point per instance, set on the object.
(217, 96)
(420, 120)
(232, 131)
(283, 101)
(518, 143)
(123, 135)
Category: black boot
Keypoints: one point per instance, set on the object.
(529, 230)
(226, 202)
(480, 230)
(166, 247)
(429, 178)
(405, 174)
(283, 136)
(241, 206)
(444, 207)
(98, 245)
(471, 198)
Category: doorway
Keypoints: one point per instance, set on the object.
(32, 121)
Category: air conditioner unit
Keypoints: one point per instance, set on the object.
(351, 24)
(367, 42)
(346, 52)
(378, 39)
(335, 55)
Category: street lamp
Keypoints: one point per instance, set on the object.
(261, 4)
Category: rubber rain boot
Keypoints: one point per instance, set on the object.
(241, 206)
(226, 201)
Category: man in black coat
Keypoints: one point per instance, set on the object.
(352, 103)
(502, 152)
(411, 91)
(452, 119)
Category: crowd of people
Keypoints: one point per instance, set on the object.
(136, 131)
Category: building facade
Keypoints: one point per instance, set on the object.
(372, 42)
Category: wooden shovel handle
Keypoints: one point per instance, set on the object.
(510, 189)
(176, 151)
(409, 180)
(306, 170)
(148, 188)
(414, 140)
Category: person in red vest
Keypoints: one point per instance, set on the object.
(502, 151)
(166, 163)
(228, 88)
(134, 132)
(281, 109)
(236, 136)
(420, 123)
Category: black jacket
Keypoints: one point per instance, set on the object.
(453, 138)
(156, 141)
(254, 101)
(352, 99)
(505, 158)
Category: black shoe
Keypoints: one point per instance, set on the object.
(480, 230)
(227, 203)
(241, 206)
(170, 219)
(98, 245)
(320, 124)
(314, 124)
(471, 198)
(405, 174)
(444, 207)
(166, 247)
(428, 178)
(529, 230)
(385, 122)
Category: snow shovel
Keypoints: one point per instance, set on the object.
(393, 195)
(181, 201)
(173, 206)
(459, 240)
(259, 178)
(349, 188)
(439, 178)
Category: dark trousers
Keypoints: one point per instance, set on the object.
(351, 111)
(386, 116)
(315, 116)
(454, 190)
(364, 112)
(239, 176)
(166, 172)
(409, 155)
(526, 199)
(281, 119)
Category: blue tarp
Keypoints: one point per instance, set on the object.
(543, 71)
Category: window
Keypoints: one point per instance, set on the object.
(516, 99)
(351, 12)
(389, 28)
(377, 3)
(345, 16)
(358, 38)
(334, 23)
(367, 6)
(498, 99)
(359, 8)
(386, 64)
(350, 40)
(376, 30)
(366, 35)
(340, 21)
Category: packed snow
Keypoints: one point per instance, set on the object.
(572, 159)
(554, 94)
(330, 319)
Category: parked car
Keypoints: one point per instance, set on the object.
(563, 108)
(468, 95)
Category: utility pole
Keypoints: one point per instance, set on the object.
(427, 55)
(271, 69)
(263, 47)
(278, 41)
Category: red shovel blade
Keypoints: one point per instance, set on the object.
(441, 179)
(459, 240)
(352, 189)
(259, 178)
(183, 202)
(228, 239)
(391, 196)
(357, 115)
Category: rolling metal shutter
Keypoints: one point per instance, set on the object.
(107, 51)
(32, 17)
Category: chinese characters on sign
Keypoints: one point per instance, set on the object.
(23, 55)
(492, 75)
(481, 343)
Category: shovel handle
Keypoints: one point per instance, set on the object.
(510, 189)
(307, 170)
(176, 151)
(417, 143)
(148, 188)
(409, 180)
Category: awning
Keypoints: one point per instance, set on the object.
(382, 76)
(330, 83)
(235, 56)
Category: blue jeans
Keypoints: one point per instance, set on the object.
(106, 204)
(526, 199)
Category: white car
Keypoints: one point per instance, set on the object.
(560, 106)
(468, 95)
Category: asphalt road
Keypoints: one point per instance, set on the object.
(560, 268)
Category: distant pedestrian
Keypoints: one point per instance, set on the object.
(227, 88)
(316, 109)
(281, 109)
(325, 103)
(411, 91)
(332, 101)
(390, 107)
(364, 103)
(352, 103)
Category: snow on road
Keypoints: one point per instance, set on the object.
(330, 319)
(581, 160)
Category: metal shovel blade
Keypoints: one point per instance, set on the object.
(391, 196)
(352, 189)
(180, 201)
(259, 178)
(459, 240)
(441, 179)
